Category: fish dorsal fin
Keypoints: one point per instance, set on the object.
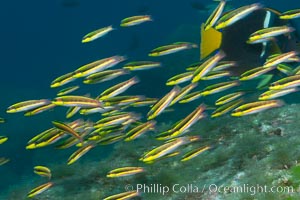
(210, 41)
(276, 12)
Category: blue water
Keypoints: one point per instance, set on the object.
(41, 40)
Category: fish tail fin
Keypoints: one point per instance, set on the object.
(211, 40)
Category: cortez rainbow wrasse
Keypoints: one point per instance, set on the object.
(106, 75)
(183, 92)
(215, 75)
(62, 80)
(180, 78)
(193, 153)
(205, 67)
(141, 65)
(284, 68)
(182, 126)
(167, 148)
(255, 72)
(225, 108)
(124, 171)
(122, 100)
(3, 160)
(79, 153)
(233, 16)
(255, 107)
(96, 34)
(123, 196)
(3, 139)
(97, 66)
(229, 97)
(72, 111)
(272, 94)
(287, 82)
(64, 127)
(171, 48)
(67, 90)
(163, 103)
(215, 15)
(191, 97)
(139, 130)
(27, 105)
(260, 35)
(291, 14)
(79, 101)
(39, 109)
(219, 87)
(135, 20)
(279, 59)
(118, 88)
(42, 171)
(39, 189)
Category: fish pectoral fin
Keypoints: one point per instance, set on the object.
(265, 80)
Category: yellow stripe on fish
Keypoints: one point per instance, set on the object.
(180, 78)
(287, 82)
(123, 196)
(139, 130)
(219, 87)
(163, 103)
(141, 65)
(229, 97)
(62, 80)
(233, 16)
(79, 101)
(39, 189)
(205, 67)
(135, 20)
(225, 108)
(118, 88)
(291, 14)
(27, 105)
(96, 34)
(97, 66)
(124, 171)
(260, 35)
(193, 153)
(215, 15)
(272, 94)
(3, 139)
(79, 153)
(255, 107)
(106, 75)
(171, 48)
(255, 72)
(42, 171)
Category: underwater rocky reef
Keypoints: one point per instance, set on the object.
(253, 150)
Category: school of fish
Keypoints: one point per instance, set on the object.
(118, 123)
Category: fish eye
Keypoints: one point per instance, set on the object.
(273, 84)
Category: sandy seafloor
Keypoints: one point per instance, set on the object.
(41, 40)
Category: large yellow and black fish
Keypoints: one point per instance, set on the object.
(232, 39)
